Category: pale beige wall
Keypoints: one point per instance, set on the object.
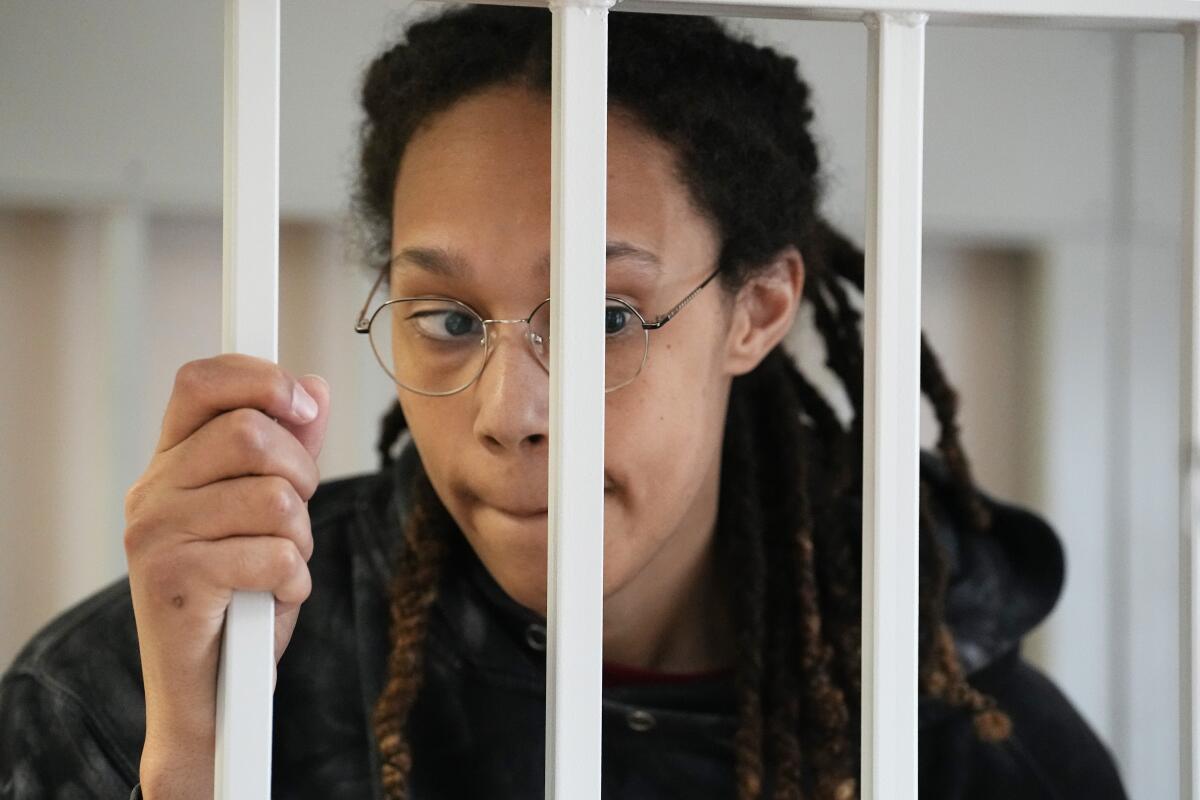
(88, 377)
(978, 313)
(31, 495)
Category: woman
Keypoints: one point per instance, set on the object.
(732, 550)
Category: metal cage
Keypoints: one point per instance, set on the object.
(891, 340)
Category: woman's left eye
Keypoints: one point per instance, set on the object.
(615, 319)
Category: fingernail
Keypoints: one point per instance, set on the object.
(303, 404)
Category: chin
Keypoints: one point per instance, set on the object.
(525, 588)
(515, 560)
(514, 550)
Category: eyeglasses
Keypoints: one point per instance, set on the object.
(438, 346)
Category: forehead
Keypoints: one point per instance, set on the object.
(453, 264)
(476, 179)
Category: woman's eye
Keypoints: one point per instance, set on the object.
(615, 319)
(446, 325)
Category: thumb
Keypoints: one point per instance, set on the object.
(312, 434)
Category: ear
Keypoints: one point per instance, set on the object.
(764, 311)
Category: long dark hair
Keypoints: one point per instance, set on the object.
(737, 117)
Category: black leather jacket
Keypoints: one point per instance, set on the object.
(72, 713)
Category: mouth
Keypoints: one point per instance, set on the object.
(532, 513)
(522, 514)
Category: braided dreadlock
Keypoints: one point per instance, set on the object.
(789, 522)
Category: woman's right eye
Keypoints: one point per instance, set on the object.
(446, 325)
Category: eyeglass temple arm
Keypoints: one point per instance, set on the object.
(665, 318)
(362, 325)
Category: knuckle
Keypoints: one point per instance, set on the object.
(280, 499)
(313, 475)
(134, 497)
(285, 558)
(142, 526)
(305, 538)
(305, 587)
(193, 376)
(297, 588)
(137, 530)
(247, 429)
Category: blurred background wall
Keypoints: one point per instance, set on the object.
(1051, 285)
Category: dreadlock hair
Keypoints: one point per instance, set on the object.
(789, 516)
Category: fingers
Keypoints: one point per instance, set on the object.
(240, 442)
(222, 507)
(257, 563)
(198, 579)
(312, 434)
(208, 387)
(266, 505)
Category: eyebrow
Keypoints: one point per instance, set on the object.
(452, 264)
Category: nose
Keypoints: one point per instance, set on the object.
(512, 394)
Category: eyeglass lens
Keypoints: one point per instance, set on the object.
(438, 346)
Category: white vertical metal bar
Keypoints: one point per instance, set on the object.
(891, 405)
(251, 315)
(1189, 429)
(579, 89)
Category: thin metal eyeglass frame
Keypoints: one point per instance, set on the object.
(363, 325)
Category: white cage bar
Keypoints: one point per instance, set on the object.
(250, 298)
(575, 502)
(893, 258)
(892, 403)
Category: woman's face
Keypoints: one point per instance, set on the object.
(475, 183)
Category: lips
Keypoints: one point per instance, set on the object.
(529, 509)
(513, 512)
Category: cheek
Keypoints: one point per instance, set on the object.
(653, 449)
(432, 421)
(658, 452)
(667, 422)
